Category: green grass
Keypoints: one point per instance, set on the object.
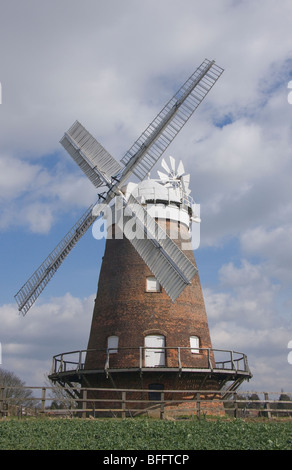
(144, 434)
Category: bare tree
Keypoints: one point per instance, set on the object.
(13, 390)
(63, 396)
(284, 397)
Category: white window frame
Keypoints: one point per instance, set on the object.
(195, 344)
(154, 345)
(152, 285)
(112, 344)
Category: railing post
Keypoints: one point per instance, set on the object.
(246, 368)
(179, 358)
(141, 357)
(54, 365)
(209, 360)
(80, 360)
(106, 366)
(232, 361)
(61, 364)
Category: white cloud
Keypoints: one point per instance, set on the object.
(245, 315)
(16, 176)
(245, 295)
(266, 350)
(99, 70)
(33, 196)
(273, 245)
(29, 343)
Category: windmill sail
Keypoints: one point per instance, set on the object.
(98, 165)
(30, 291)
(160, 265)
(146, 151)
(168, 263)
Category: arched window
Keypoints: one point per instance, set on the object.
(194, 344)
(154, 350)
(112, 344)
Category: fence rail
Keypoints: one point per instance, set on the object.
(124, 403)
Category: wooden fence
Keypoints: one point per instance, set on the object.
(85, 402)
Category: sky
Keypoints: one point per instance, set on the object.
(113, 64)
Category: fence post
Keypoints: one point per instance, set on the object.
(123, 405)
(267, 405)
(1, 401)
(198, 405)
(162, 406)
(84, 403)
(235, 405)
(43, 400)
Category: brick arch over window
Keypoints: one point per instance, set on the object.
(154, 331)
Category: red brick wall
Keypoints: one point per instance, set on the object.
(184, 403)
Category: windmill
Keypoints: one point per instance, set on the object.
(149, 325)
(167, 262)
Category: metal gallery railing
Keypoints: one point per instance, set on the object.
(173, 357)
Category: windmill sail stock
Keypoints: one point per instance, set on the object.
(33, 287)
(103, 170)
(147, 150)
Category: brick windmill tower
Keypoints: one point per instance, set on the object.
(139, 337)
(149, 327)
(136, 327)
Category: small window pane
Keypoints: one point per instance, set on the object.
(152, 285)
(194, 343)
(112, 344)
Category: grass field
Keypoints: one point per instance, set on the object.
(144, 434)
